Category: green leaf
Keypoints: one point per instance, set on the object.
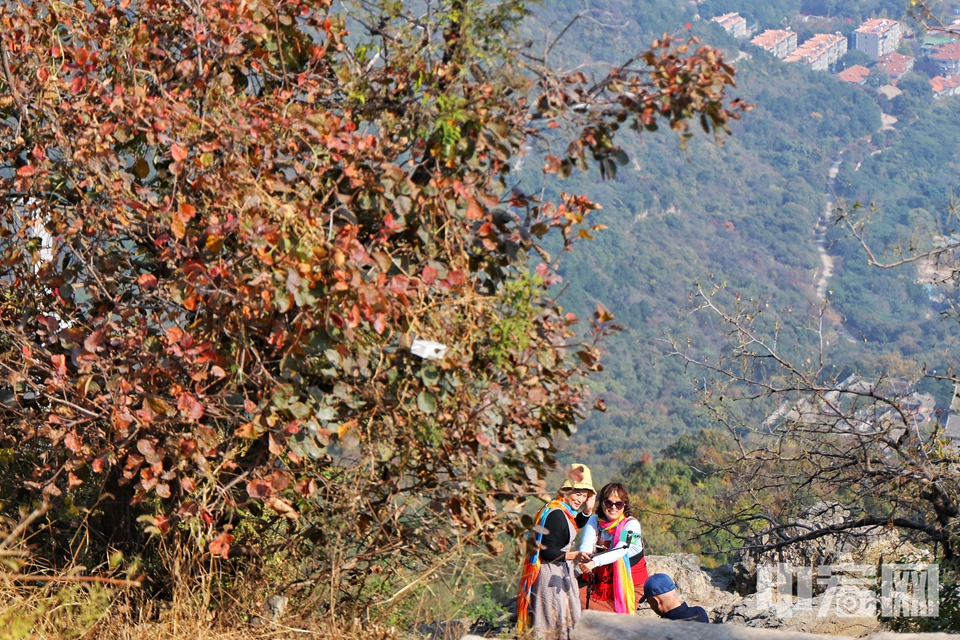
(430, 375)
(426, 402)
(304, 446)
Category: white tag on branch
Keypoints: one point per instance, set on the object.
(427, 349)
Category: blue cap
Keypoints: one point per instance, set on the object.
(657, 585)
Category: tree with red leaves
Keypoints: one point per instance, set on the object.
(230, 226)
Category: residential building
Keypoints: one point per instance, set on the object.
(877, 37)
(820, 51)
(854, 75)
(945, 86)
(952, 428)
(947, 57)
(780, 42)
(733, 23)
(895, 64)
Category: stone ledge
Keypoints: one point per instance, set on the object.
(595, 625)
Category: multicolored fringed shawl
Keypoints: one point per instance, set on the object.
(531, 564)
(624, 596)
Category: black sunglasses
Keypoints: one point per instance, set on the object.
(610, 504)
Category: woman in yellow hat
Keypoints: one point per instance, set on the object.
(549, 599)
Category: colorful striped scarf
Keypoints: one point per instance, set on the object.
(624, 596)
(531, 564)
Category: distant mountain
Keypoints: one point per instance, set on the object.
(741, 214)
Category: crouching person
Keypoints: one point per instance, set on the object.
(661, 592)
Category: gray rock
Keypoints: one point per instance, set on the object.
(595, 625)
(610, 626)
(696, 585)
(272, 610)
(275, 606)
(819, 615)
(443, 629)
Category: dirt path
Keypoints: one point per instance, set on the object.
(820, 238)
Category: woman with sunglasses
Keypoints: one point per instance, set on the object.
(618, 566)
(548, 600)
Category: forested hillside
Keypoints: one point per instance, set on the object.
(743, 214)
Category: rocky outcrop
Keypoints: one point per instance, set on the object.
(815, 615)
(713, 589)
(695, 582)
(867, 545)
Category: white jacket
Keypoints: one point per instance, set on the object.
(589, 542)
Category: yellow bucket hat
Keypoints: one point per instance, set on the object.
(586, 478)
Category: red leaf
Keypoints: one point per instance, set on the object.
(279, 480)
(60, 362)
(26, 171)
(145, 447)
(179, 153)
(307, 486)
(174, 334)
(283, 507)
(92, 342)
(474, 210)
(455, 278)
(147, 281)
(190, 407)
(274, 446)
(73, 481)
(259, 489)
(73, 442)
(429, 275)
(221, 545)
(186, 211)
(78, 84)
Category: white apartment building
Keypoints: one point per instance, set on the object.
(877, 37)
(733, 23)
(780, 42)
(820, 51)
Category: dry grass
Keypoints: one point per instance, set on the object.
(92, 612)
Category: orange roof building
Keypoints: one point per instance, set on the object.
(947, 57)
(945, 86)
(895, 64)
(854, 75)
